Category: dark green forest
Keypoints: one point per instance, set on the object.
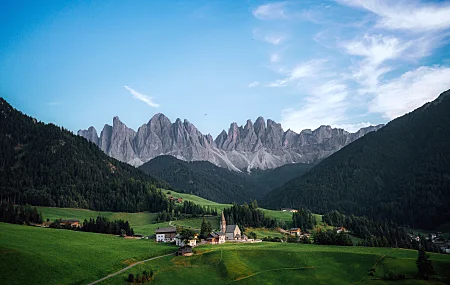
(209, 181)
(399, 173)
(43, 164)
(250, 216)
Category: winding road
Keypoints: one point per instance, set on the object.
(126, 268)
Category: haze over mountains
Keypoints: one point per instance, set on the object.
(256, 145)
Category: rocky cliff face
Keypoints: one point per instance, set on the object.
(257, 145)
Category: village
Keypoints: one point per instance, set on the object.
(187, 239)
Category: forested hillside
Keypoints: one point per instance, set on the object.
(215, 183)
(400, 172)
(43, 164)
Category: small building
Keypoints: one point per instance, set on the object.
(215, 238)
(180, 200)
(185, 251)
(165, 234)
(179, 241)
(72, 223)
(289, 210)
(340, 230)
(295, 232)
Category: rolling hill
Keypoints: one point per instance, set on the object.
(219, 184)
(50, 256)
(400, 172)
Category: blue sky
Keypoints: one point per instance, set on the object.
(344, 63)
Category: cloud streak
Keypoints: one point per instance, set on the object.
(406, 15)
(410, 91)
(253, 84)
(270, 11)
(144, 98)
(305, 70)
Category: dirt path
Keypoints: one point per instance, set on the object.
(126, 268)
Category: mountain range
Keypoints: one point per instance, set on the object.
(257, 145)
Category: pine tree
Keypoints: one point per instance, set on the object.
(424, 267)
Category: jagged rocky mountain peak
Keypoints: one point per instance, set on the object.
(262, 144)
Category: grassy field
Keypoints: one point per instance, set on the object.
(283, 263)
(142, 223)
(31, 255)
(262, 232)
(196, 199)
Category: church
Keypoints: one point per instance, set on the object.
(232, 232)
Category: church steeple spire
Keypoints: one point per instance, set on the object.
(223, 224)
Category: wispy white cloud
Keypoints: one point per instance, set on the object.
(275, 40)
(305, 70)
(353, 128)
(406, 15)
(270, 11)
(410, 91)
(325, 104)
(253, 84)
(144, 98)
(54, 103)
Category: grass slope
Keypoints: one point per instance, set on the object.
(278, 263)
(143, 222)
(31, 255)
(49, 256)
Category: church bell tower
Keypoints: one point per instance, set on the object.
(223, 224)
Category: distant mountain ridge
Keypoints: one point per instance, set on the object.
(258, 145)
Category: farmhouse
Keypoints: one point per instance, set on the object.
(72, 223)
(215, 238)
(165, 234)
(232, 232)
(340, 230)
(295, 232)
(289, 210)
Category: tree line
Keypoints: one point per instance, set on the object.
(250, 216)
(376, 233)
(304, 219)
(186, 209)
(98, 225)
(19, 214)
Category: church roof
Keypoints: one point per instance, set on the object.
(230, 228)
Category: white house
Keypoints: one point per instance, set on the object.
(165, 234)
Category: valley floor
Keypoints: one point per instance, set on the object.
(31, 255)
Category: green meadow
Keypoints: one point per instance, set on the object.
(142, 223)
(284, 263)
(32, 255)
